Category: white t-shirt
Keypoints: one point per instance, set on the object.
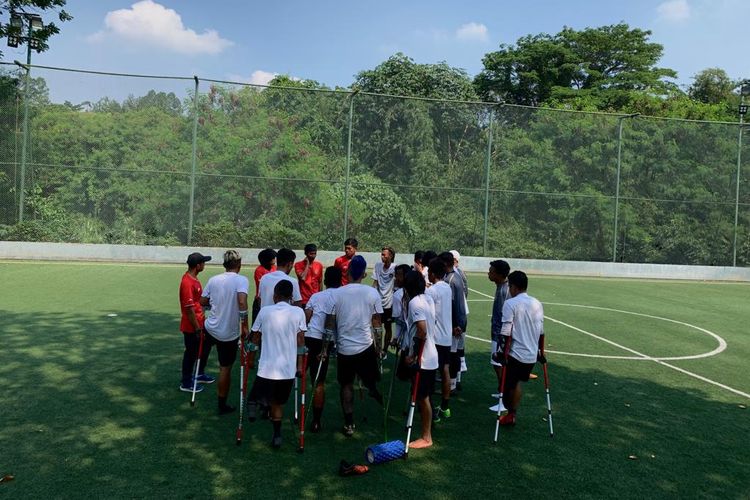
(442, 296)
(523, 320)
(269, 281)
(224, 321)
(384, 278)
(320, 304)
(279, 325)
(421, 308)
(354, 305)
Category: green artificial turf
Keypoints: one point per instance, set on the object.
(89, 404)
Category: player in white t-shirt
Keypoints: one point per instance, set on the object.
(399, 309)
(356, 319)
(227, 295)
(421, 319)
(382, 275)
(316, 310)
(522, 339)
(281, 328)
(442, 296)
(284, 264)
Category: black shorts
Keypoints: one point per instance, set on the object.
(387, 317)
(444, 356)
(314, 346)
(426, 383)
(364, 365)
(515, 372)
(273, 392)
(226, 350)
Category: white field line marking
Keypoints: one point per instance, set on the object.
(645, 356)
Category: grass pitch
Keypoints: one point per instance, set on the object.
(89, 405)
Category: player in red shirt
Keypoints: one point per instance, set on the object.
(309, 273)
(267, 259)
(350, 250)
(191, 324)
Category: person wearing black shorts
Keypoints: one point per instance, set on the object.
(281, 327)
(355, 317)
(522, 339)
(316, 309)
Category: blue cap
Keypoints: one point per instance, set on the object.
(357, 267)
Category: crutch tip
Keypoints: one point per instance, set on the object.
(300, 450)
(192, 403)
(238, 442)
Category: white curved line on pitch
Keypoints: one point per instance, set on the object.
(641, 355)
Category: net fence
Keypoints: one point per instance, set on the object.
(183, 161)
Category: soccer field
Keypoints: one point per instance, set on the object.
(649, 387)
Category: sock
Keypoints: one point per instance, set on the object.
(317, 413)
(349, 418)
(276, 428)
(445, 403)
(453, 384)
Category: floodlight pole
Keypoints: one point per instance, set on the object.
(348, 165)
(194, 162)
(620, 120)
(487, 183)
(24, 143)
(744, 89)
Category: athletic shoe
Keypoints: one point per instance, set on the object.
(446, 413)
(508, 419)
(198, 388)
(458, 386)
(276, 442)
(206, 379)
(223, 410)
(347, 469)
(495, 395)
(436, 415)
(464, 368)
(348, 430)
(315, 427)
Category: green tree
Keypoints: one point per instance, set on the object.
(712, 86)
(605, 65)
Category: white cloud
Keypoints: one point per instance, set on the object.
(472, 32)
(148, 22)
(258, 77)
(674, 10)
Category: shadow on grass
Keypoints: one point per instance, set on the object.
(90, 407)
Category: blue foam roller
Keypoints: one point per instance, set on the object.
(384, 452)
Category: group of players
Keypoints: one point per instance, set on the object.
(420, 311)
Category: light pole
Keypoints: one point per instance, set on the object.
(744, 91)
(16, 37)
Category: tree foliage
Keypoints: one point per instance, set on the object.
(34, 7)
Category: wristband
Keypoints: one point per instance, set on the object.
(252, 346)
(377, 330)
(329, 334)
(301, 350)
(243, 315)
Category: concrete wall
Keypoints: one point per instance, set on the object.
(17, 250)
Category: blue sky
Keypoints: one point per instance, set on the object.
(331, 41)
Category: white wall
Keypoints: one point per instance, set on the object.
(18, 250)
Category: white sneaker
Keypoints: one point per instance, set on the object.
(499, 406)
(495, 395)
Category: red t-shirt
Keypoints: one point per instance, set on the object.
(311, 283)
(261, 271)
(190, 297)
(343, 264)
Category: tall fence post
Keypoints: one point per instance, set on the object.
(487, 183)
(620, 121)
(348, 165)
(737, 192)
(24, 143)
(194, 162)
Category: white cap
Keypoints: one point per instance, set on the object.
(456, 255)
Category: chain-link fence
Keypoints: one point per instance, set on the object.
(202, 162)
